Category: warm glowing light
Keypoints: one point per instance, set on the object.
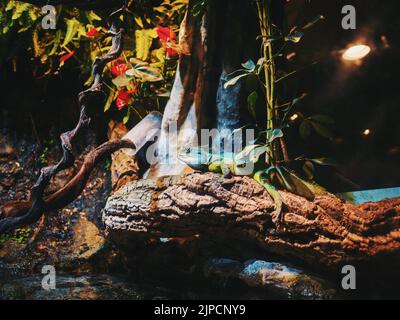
(294, 117)
(357, 52)
(366, 132)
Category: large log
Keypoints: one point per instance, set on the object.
(327, 231)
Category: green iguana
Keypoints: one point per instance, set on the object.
(228, 163)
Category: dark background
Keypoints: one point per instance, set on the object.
(358, 97)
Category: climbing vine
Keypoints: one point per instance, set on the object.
(276, 168)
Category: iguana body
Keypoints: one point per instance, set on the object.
(201, 159)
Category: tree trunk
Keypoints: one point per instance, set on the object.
(326, 231)
(214, 46)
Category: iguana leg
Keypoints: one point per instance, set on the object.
(215, 167)
(226, 172)
(277, 215)
(220, 167)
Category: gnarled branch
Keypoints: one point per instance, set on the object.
(87, 97)
(14, 213)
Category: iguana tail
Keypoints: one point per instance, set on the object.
(273, 192)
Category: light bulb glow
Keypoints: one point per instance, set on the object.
(356, 52)
(294, 117)
(366, 132)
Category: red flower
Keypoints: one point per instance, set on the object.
(123, 98)
(167, 35)
(171, 53)
(119, 69)
(92, 33)
(67, 56)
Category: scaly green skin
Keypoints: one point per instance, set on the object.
(202, 160)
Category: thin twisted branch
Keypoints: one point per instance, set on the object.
(38, 204)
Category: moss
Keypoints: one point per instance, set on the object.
(20, 235)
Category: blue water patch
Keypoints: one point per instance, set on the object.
(360, 197)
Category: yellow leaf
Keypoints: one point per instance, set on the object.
(93, 16)
(160, 54)
(72, 30)
(144, 39)
(10, 5)
(110, 100)
(139, 22)
(20, 8)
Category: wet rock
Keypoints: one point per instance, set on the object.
(71, 287)
(285, 281)
(87, 239)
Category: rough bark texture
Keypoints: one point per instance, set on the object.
(326, 231)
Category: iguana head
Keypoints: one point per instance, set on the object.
(197, 158)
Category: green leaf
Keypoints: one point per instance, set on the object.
(127, 117)
(10, 5)
(143, 40)
(305, 129)
(324, 162)
(274, 134)
(291, 106)
(56, 43)
(121, 81)
(72, 29)
(249, 65)
(322, 118)
(199, 8)
(145, 73)
(251, 102)
(257, 153)
(297, 185)
(251, 83)
(20, 8)
(259, 66)
(110, 99)
(295, 36)
(308, 169)
(165, 94)
(251, 153)
(234, 80)
(322, 130)
(93, 16)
